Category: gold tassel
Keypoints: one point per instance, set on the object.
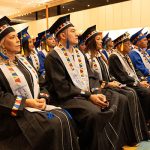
(22, 51)
(47, 48)
(122, 47)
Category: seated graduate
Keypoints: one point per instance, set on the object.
(48, 42)
(107, 45)
(81, 44)
(139, 57)
(121, 67)
(30, 53)
(28, 48)
(133, 131)
(27, 123)
(148, 45)
(75, 87)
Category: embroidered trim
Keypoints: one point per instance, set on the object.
(16, 106)
(14, 74)
(62, 26)
(75, 66)
(89, 35)
(69, 61)
(28, 65)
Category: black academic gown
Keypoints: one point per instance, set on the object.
(32, 131)
(98, 129)
(137, 130)
(117, 70)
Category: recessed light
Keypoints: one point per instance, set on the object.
(88, 5)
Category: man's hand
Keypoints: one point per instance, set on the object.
(144, 84)
(100, 100)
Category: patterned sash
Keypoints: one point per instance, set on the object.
(95, 65)
(76, 67)
(17, 81)
(33, 74)
(130, 71)
(35, 60)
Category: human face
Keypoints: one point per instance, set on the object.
(72, 35)
(110, 43)
(98, 40)
(82, 47)
(142, 43)
(126, 47)
(51, 42)
(11, 43)
(31, 45)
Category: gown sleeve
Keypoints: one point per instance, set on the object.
(117, 70)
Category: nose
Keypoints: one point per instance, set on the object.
(17, 40)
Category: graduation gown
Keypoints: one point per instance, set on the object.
(136, 131)
(98, 129)
(117, 70)
(141, 62)
(49, 130)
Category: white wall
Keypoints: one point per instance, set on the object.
(126, 15)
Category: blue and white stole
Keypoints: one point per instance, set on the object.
(16, 79)
(35, 60)
(75, 65)
(94, 64)
(145, 58)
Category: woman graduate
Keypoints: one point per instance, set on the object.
(24, 123)
(134, 112)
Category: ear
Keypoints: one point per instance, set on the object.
(63, 35)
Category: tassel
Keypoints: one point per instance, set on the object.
(67, 43)
(47, 48)
(121, 47)
(22, 51)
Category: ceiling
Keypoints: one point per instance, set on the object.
(14, 8)
(29, 10)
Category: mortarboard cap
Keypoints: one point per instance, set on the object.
(37, 42)
(137, 37)
(80, 39)
(89, 33)
(60, 25)
(44, 35)
(122, 38)
(5, 27)
(23, 35)
(148, 36)
(105, 39)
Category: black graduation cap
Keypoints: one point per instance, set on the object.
(80, 39)
(60, 25)
(44, 35)
(105, 39)
(122, 38)
(37, 42)
(148, 36)
(89, 33)
(137, 36)
(5, 27)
